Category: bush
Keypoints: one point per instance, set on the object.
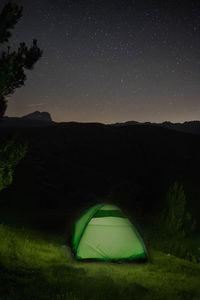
(10, 155)
(178, 222)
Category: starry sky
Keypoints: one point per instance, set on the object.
(111, 61)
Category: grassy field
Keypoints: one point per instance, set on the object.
(33, 266)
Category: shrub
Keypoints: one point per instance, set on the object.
(178, 222)
(10, 155)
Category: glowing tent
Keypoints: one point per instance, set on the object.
(104, 233)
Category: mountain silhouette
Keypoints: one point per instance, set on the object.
(38, 119)
(189, 126)
(38, 116)
(33, 119)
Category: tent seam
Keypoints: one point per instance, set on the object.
(100, 205)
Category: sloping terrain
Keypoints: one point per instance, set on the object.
(76, 165)
(37, 267)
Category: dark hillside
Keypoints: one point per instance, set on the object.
(73, 165)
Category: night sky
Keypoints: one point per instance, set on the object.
(111, 61)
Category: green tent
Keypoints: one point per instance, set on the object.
(104, 233)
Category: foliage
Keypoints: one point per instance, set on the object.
(10, 155)
(13, 63)
(178, 222)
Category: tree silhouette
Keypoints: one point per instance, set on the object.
(178, 221)
(14, 63)
(11, 153)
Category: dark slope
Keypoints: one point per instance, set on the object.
(77, 164)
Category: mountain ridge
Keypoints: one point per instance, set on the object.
(38, 118)
(187, 126)
(33, 119)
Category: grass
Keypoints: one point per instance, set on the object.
(34, 267)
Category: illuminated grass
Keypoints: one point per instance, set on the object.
(35, 268)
